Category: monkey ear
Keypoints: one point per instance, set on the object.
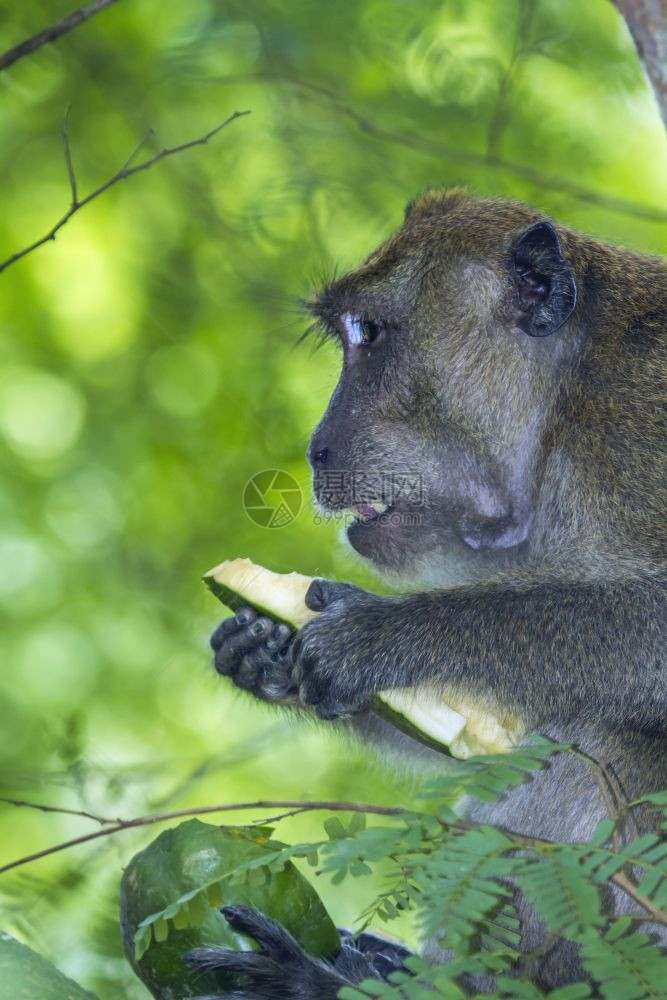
(546, 285)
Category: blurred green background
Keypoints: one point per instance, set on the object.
(150, 366)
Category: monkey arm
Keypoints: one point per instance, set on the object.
(282, 970)
(551, 651)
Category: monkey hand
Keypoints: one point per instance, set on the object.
(319, 666)
(331, 661)
(282, 970)
(255, 652)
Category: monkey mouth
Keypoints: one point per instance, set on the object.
(365, 513)
(373, 513)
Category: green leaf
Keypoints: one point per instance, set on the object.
(575, 991)
(334, 828)
(564, 898)
(215, 895)
(160, 930)
(627, 968)
(603, 832)
(142, 940)
(181, 918)
(461, 884)
(197, 910)
(356, 824)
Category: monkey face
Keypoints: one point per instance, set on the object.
(431, 445)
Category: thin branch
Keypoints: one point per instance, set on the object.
(115, 826)
(295, 807)
(647, 24)
(615, 801)
(266, 820)
(125, 172)
(499, 117)
(623, 881)
(50, 34)
(439, 149)
(135, 152)
(530, 960)
(68, 157)
(57, 809)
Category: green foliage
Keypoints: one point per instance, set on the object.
(25, 975)
(458, 880)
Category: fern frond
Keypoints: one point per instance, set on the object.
(461, 884)
(627, 968)
(488, 777)
(562, 892)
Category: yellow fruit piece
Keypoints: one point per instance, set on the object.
(445, 721)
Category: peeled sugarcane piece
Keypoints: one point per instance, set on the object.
(460, 727)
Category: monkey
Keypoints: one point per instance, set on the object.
(517, 367)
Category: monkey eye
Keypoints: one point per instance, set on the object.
(361, 330)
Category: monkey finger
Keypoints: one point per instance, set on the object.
(250, 963)
(250, 671)
(326, 697)
(227, 627)
(277, 683)
(273, 938)
(234, 647)
(279, 637)
(322, 593)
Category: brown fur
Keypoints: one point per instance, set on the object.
(537, 426)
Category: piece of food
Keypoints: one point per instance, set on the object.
(25, 975)
(451, 724)
(188, 857)
(279, 595)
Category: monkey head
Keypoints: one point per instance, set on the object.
(455, 338)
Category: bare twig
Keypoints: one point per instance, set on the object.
(625, 883)
(530, 960)
(138, 147)
(125, 172)
(57, 809)
(615, 801)
(295, 807)
(647, 23)
(439, 149)
(68, 157)
(500, 112)
(50, 34)
(115, 826)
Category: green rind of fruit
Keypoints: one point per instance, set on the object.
(25, 975)
(192, 855)
(234, 601)
(399, 721)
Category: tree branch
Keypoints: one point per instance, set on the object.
(115, 826)
(627, 885)
(647, 23)
(57, 809)
(68, 156)
(125, 172)
(295, 807)
(435, 147)
(50, 34)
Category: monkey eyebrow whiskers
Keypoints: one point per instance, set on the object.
(319, 333)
